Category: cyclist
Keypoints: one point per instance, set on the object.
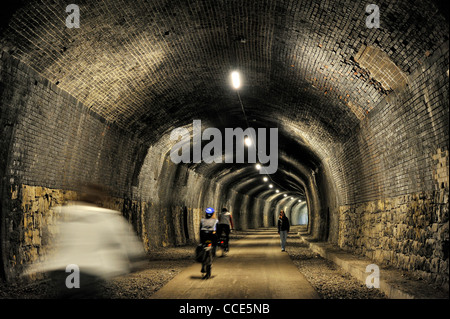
(208, 228)
(225, 225)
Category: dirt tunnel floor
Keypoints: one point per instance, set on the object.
(329, 280)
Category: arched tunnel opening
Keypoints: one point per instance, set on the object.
(361, 114)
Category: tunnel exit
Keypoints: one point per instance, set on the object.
(300, 214)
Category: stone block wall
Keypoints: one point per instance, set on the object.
(392, 176)
(409, 232)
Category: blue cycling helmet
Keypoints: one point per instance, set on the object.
(209, 211)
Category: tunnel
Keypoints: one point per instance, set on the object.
(358, 98)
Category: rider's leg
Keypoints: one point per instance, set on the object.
(207, 263)
(219, 231)
(227, 236)
(208, 272)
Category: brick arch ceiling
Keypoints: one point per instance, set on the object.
(310, 68)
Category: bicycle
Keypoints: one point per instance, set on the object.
(223, 245)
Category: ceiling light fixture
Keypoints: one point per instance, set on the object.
(236, 80)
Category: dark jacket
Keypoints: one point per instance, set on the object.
(283, 223)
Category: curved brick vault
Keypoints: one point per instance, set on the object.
(362, 115)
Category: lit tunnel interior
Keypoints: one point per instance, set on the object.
(361, 113)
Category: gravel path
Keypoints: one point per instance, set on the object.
(329, 280)
(165, 264)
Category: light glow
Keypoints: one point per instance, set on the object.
(265, 179)
(258, 166)
(235, 78)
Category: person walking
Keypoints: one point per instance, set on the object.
(283, 229)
